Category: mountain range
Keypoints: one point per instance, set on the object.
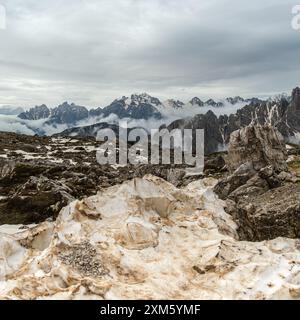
(282, 112)
(138, 106)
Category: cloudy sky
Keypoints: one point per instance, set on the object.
(92, 51)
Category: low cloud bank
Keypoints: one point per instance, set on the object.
(11, 123)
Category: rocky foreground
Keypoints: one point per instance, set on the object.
(146, 239)
(42, 175)
(262, 193)
(234, 237)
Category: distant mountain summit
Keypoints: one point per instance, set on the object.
(214, 104)
(67, 114)
(145, 98)
(173, 104)
(36, 113)
(141, 106)
(197, 102)
(235, 100)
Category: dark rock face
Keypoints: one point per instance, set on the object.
(63, 114)
(226, 186)
(215, 163)
(67, 114)
(261, 195)
(214, 104)
(197, 102)
(295, 105)
(208, 122)
(235, 100)
(268, 215)
(143, 111)
(37, 199)
(95, 112)
(36, 113)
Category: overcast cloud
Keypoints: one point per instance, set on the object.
(92, 51)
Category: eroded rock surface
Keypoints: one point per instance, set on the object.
(260, 145)
(40, 175)
(146, 239)
(262, 195)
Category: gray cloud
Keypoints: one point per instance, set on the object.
(95, 50)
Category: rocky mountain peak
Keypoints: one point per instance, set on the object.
(145, 98)
(213, 103)
(296, 98)
(68, 113)
(36, 113)
(197, 102)
(235, 100)
(175, 104)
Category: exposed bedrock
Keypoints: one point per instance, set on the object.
(261, 195)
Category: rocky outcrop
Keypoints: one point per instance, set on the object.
(269, 214)
(259, 145)
(145, 239)
(262, 196)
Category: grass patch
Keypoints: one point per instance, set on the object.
(295, 164)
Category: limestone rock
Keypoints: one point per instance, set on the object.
(261, 145)
(272, 214)
(120, 244)
(262, 196)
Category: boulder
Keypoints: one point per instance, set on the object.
(261, 145)
(272, 214)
